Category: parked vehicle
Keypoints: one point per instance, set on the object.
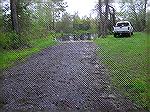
(123, 28)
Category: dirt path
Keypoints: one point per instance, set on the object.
(64, 78)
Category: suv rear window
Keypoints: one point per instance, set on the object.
(123, 24)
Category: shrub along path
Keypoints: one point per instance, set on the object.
(63, 78)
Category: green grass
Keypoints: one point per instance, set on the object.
(127, 60)
(9, 57)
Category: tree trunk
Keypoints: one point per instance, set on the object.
(104, 33)
(14, 15)
(100, 19)
(112, 16)
(144, 19)
(53, 21)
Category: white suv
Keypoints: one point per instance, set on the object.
(123, 28)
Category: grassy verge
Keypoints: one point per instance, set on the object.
(8, 58)
(127, 60)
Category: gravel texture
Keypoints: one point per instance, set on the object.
(65, 78)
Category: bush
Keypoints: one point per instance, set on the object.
(11, 40)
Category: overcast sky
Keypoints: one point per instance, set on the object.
(84, 7)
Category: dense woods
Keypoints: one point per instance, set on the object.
(21, 20)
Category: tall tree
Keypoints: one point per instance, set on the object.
(1, 16)
(20, 15)
(65, 25)
(24, 15)
(14, 15)
(135, 11)
(144, 21)
(100, 22)
(103, 18)
(58, 7)
(104, 33)
(49, 11)
(112, 15)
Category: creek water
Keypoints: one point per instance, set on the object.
(75, 37)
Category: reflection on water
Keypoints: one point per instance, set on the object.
(74, 37)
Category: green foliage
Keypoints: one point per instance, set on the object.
(33, 24)
(148, 23)
(134, 11)
(24, 16)
(11, 40)
(48, 12)
(127, 61)
(65, 24)
(9, 57)
(80, 32)
(81, 24)
(76, 25)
